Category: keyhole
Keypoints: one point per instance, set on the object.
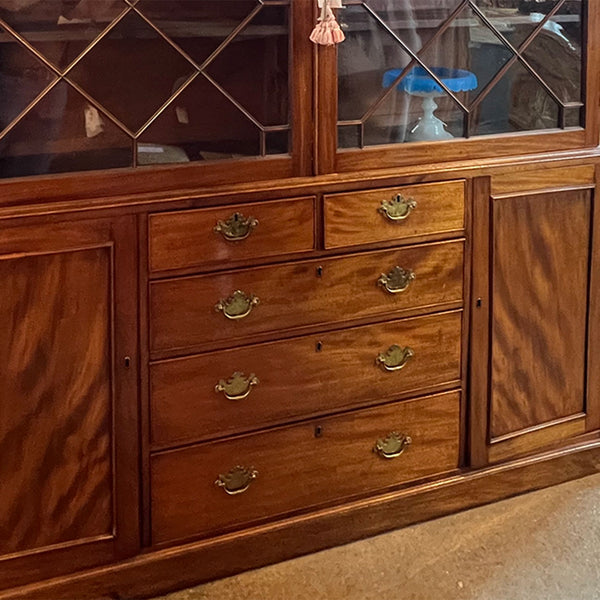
(479, 302)
(318, 431)
(319, 346)
(127, 362)
(319, 271)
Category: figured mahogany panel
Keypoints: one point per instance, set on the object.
(183, 313)
(184, 239)
(355, 218)
(300, 377)
(56, 405)
(301, 466)
(541, 257)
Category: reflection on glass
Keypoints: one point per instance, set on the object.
(60, 29)
(221, 132)
(44, 142)
(95, 84)
(561, 36)
(478, 64)
(519, 103)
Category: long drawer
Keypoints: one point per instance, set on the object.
(198, 311)
(394, 214)
(210, 237)
(247, 388)
(206, 488)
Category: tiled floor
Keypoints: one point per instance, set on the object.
(541, 546)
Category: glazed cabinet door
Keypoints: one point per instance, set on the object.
(533, 280)
(423, 78)
(68, 405)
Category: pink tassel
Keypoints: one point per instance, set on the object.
(327, 31)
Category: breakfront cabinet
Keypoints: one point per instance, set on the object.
(261, 297)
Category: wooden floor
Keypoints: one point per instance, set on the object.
(540, 546)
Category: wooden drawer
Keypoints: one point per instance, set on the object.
(183, 314)
(356, 218)
(301, 466)
(299, 377)
(185, 239)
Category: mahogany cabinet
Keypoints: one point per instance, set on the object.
(260, 297)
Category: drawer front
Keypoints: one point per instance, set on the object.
(361, 218)
(200, 397)
(184, 315)
(300, 466)
(186, 239)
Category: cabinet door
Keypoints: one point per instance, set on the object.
(422, 72)
(99, 85)
(68, 403)
(531, 323)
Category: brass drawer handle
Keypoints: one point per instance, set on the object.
(238, 480)
(238, 305)
(395, 358)
(236, 228)
(237, 387)
(397, 280)
(398, 208)
(393, 445)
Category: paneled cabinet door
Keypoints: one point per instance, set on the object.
(532, 364)
(68, 402)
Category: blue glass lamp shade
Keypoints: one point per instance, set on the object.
(418, 82)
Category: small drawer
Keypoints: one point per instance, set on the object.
(197, 313)
(393, 214)
(232, 391)
(203, 489)
(208, 237)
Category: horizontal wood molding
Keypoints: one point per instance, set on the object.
(161, 571)
(544, 179)
(533, 438)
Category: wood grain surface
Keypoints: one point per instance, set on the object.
(354, 218)
(298, 469)
(300, 377)
(541, 258)
(333, 290)
(186, 238)
(56, 403)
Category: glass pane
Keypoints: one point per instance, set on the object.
(253, 68)
(201, 124)
(44, 141)
(471, 49)
(518, 102)
(60, 30)
(574, 117)
(556, 53)
(277, 142)
(132, 71)
(472, 53)
(22, 78)
(515, 20)
(349, 136)
(199, 27)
